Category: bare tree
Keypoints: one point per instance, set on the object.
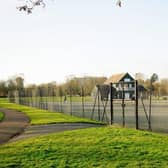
(29, 5)
(119, 3)
(153, 79)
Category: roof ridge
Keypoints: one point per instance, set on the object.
(115, 78)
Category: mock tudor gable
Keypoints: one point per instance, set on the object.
(128, 84)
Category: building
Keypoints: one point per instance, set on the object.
(124, 83)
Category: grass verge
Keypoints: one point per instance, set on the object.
(38, 116)
(105, 147)
(58, 99)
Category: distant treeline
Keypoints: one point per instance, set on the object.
(14, 83)
(74, 86)
(160, 88)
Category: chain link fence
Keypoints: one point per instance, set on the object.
(97, 108)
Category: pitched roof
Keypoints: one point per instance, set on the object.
(115, 78)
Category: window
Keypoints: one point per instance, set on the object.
(127, 80)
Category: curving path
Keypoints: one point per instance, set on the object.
(13, 124)
(33, 131)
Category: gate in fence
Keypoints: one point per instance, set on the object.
(111, 102)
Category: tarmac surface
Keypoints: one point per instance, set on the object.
(38, 130)
(15, 126)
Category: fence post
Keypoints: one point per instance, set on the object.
(150, 106)
(36, 97)
(98, 102)
(28, 100)
(70, 100)
(19, 94)
(31, 93)
(39, 99)
(61, 103)
(53, 99)
(46, 97)
(136, 105)
(83, 106)
(123, 104)
(111, 103)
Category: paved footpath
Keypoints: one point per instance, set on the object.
(13, 124)
(34, 131)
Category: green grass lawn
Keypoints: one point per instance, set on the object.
(58, 99)
(38, 116)
(105, 147)
(1, 116)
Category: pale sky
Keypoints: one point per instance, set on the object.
(84, 37)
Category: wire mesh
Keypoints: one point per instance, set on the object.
(95, 108)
